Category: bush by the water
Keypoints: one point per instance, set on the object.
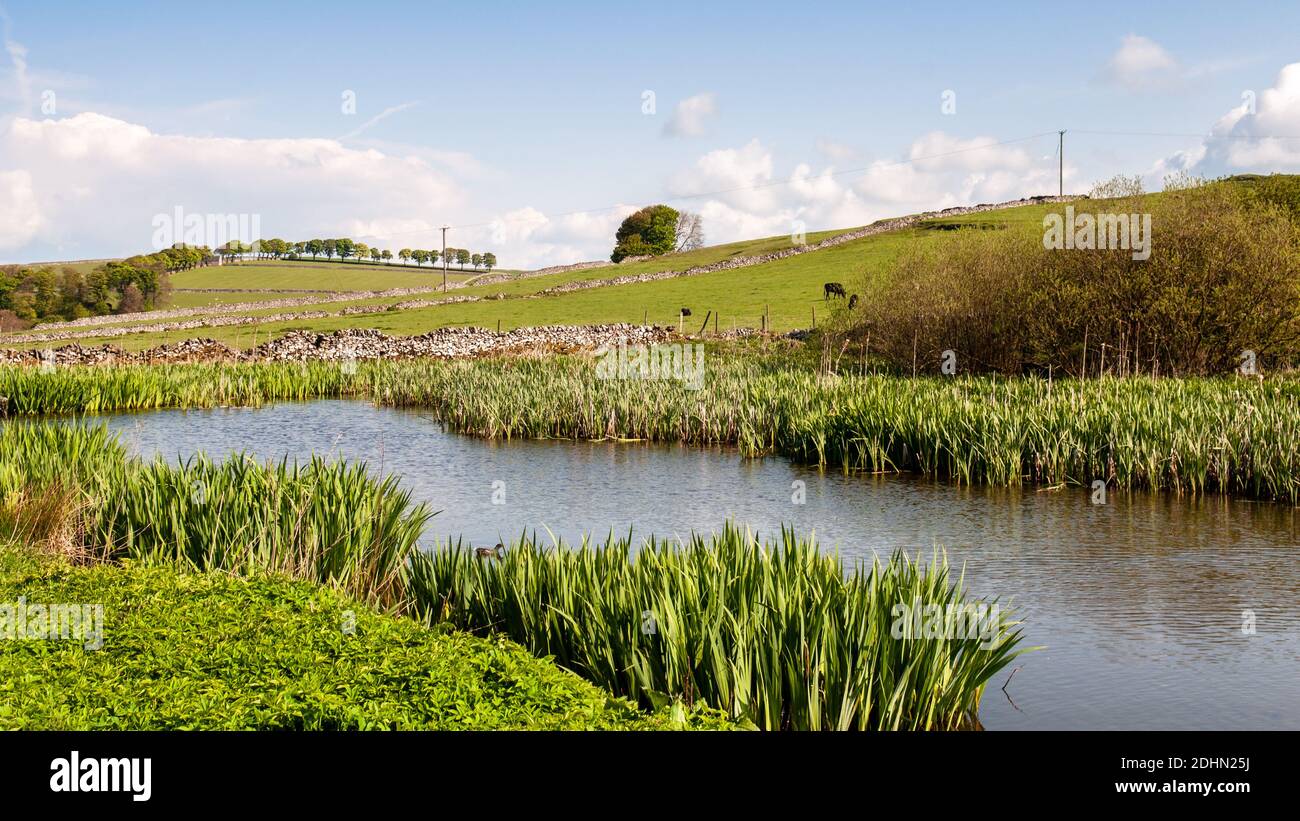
(1223, 278)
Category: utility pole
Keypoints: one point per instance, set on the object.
(444, 257)
(1060, 151)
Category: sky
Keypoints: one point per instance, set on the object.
(533, 129)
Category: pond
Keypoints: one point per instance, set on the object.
(1140, 601)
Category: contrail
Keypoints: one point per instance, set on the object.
(381, 115)
(18, 56)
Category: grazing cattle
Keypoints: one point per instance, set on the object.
(832, 288)
(686, 311)
(853, 302)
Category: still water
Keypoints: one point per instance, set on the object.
(1139, 602)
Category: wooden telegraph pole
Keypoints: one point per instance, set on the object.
(1060, 150)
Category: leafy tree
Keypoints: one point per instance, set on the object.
(132, 300)
(315, 247)
(404, 255)
(328, 247)
(462, 257)
(344, 247)
(45, 288)
(387, 255)
(95, 292)
(361, 251)
(433, 257)
(420, 256)
(376, 254)
(476, 260)
(489, 260)
(650, 231)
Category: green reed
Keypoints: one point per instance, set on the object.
(1225, 435)
(776, 633)
(326, 522)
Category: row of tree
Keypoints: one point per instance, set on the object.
(346, 249)
(460, 256)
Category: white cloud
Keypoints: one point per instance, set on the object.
(97, 182)
(1141, 64)
(90, 186)
(738, 173)
(19, 215)
(1242, 141)
(690, 115)
(740, 196)
(530, 239)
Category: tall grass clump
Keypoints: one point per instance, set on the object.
(323, 521)
(775, 633)
(48, 474)
(29, 391)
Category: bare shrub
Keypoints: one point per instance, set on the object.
(1117, 187)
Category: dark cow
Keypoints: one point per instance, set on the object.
(853, 302)
(686, 311)
(834, 288)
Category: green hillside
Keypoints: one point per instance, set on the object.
(789, 289)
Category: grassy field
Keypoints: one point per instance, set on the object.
(789, 289)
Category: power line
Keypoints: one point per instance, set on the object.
(1203, 135)
(739, 188)
(774, 183)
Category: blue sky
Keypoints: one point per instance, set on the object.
(501, 117)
